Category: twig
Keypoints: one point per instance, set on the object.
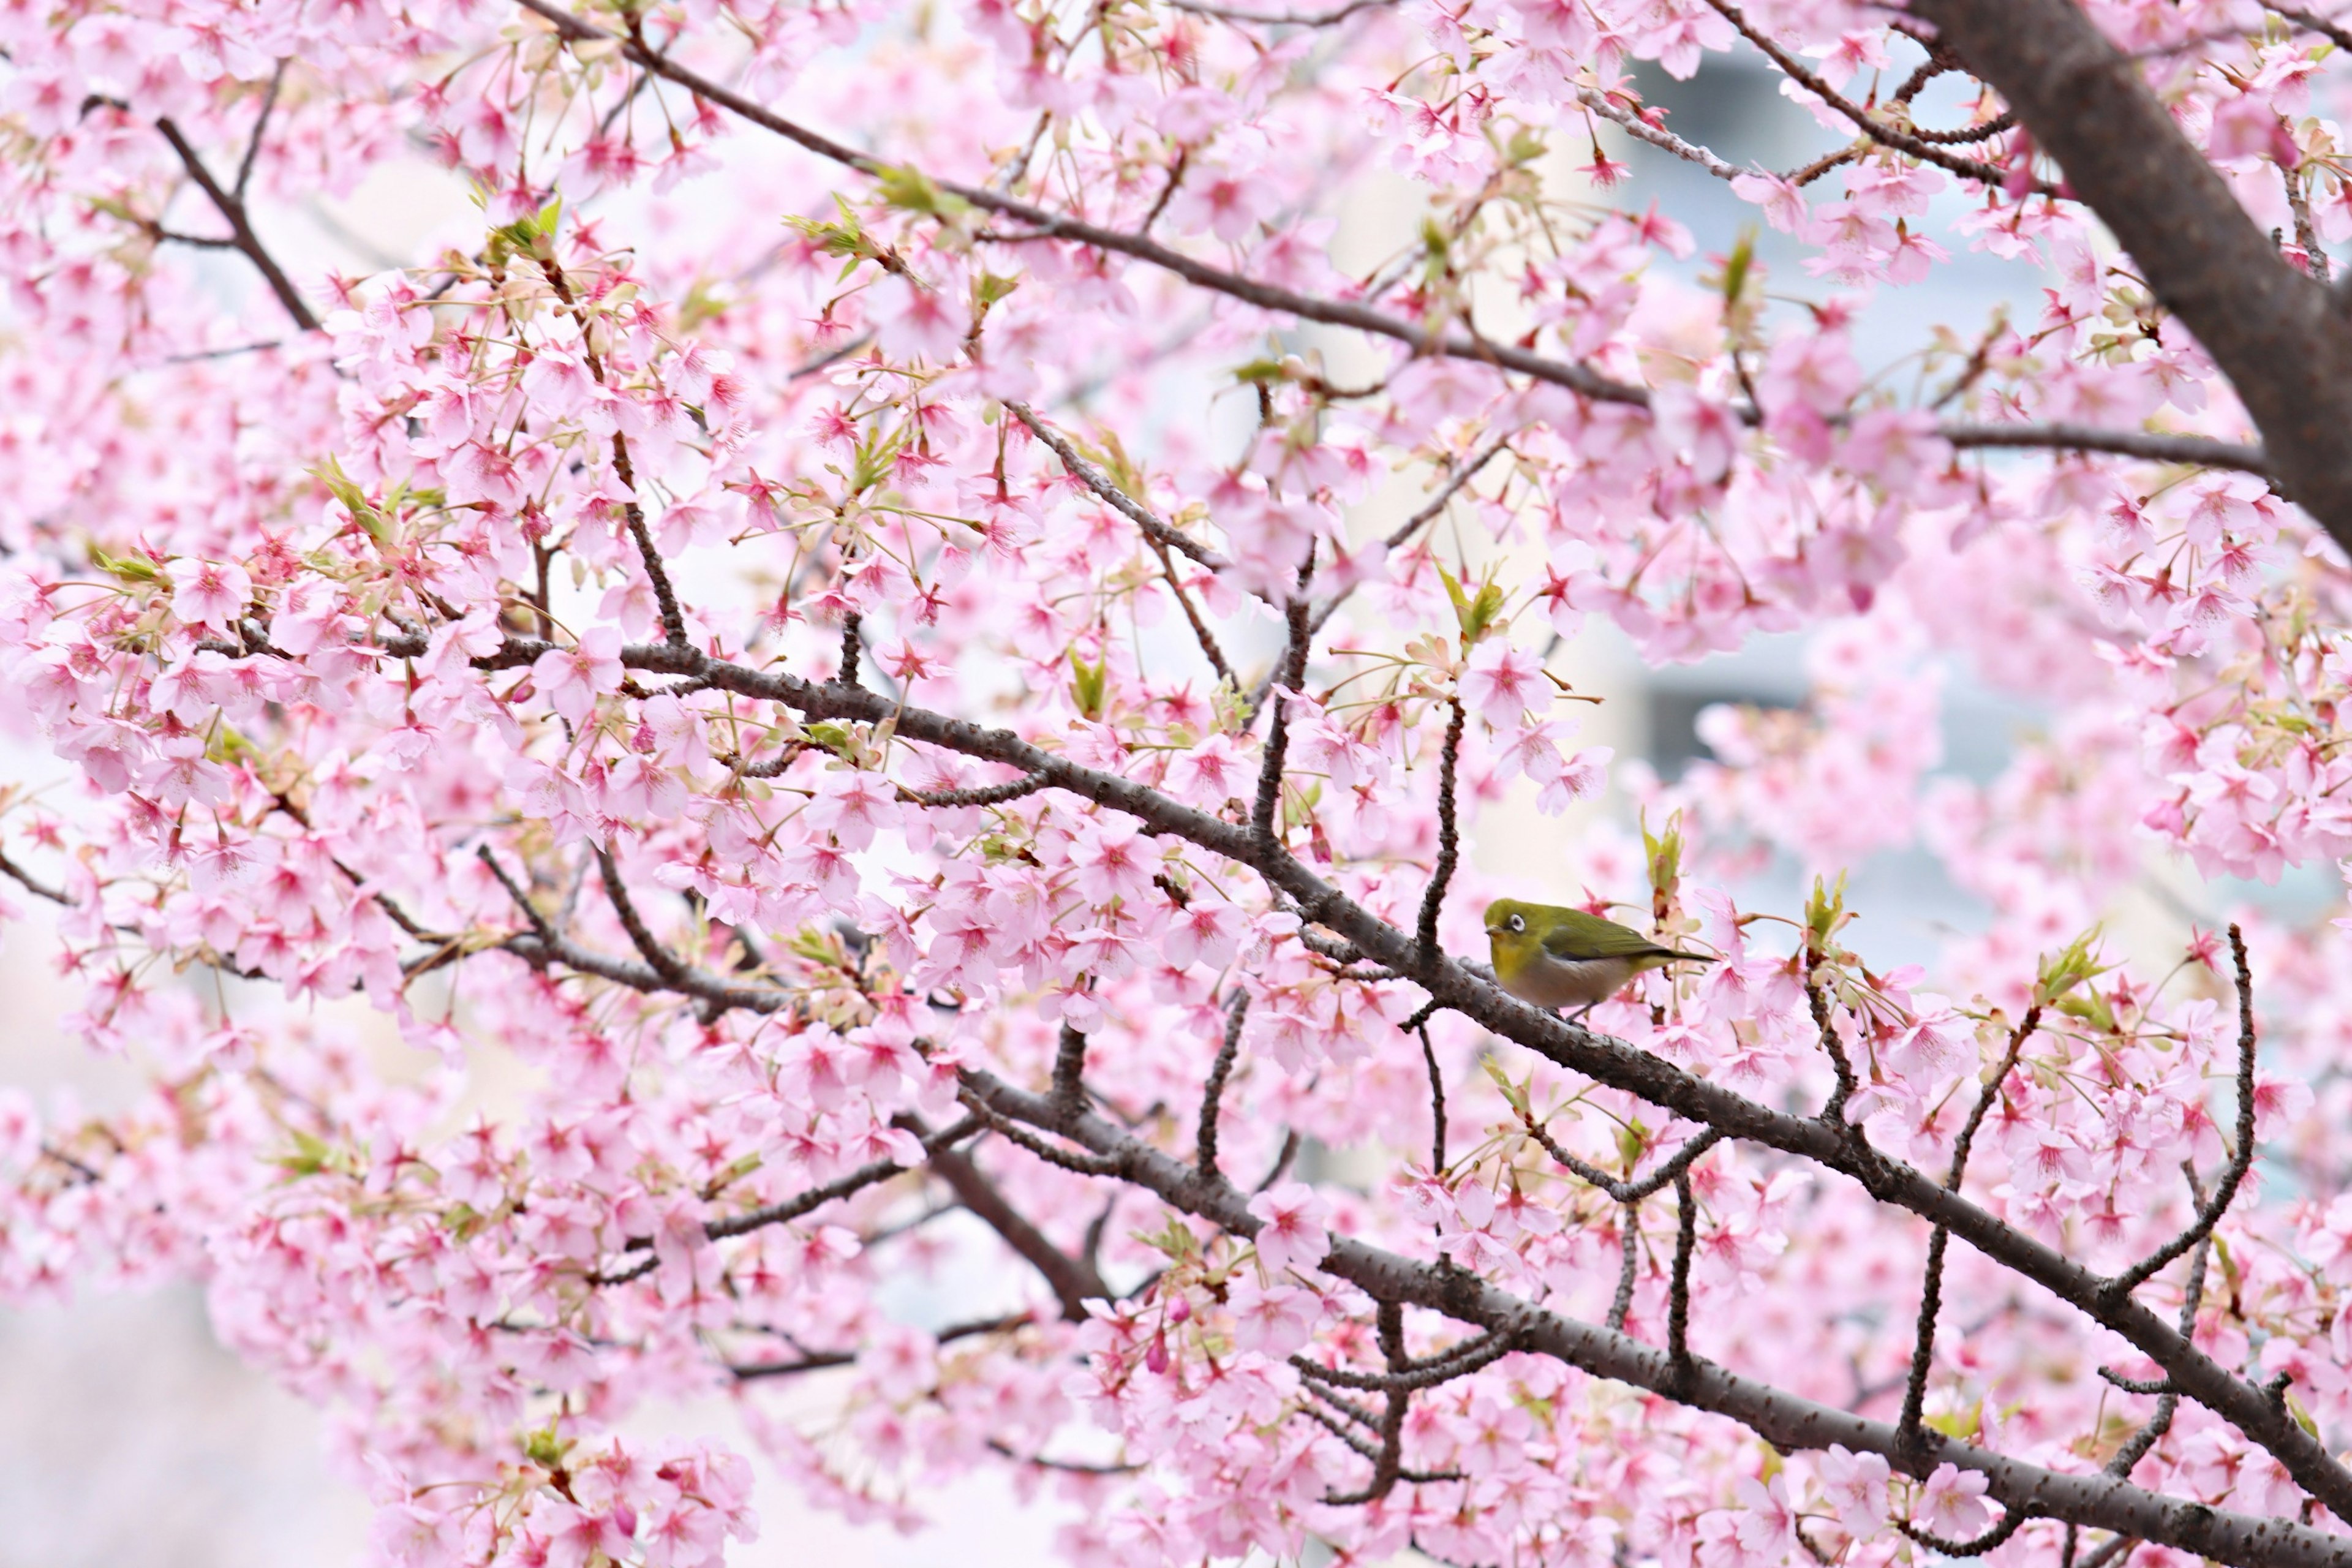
(260, 124)
(1155, 528)
(1213, 1092)
(1436, 1104)
(1678, 1288)
(1862, 119)
(1931, 1293)
(1449, 842)
(2241, 1159)
(980, 794)
(240, 226)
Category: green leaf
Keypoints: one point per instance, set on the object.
(911, 190)
(544, 1448)
(311, 1156)
(1663, 852)
(2071, 966)
(1514, 1095)
(1825, 911)
(363, 512)
(124, 568)
(1088, 683)
(1474, 612)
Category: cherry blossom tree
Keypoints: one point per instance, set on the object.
(851, 673)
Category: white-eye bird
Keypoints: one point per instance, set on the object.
(1557, 957)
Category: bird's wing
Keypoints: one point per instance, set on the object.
(1597, 938)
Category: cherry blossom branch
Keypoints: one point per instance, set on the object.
(2325, 27)
(1785, 1420)
(1825, 1142)
(1416, 335)
(1286, 676)
(1212, 1093)
(818, 1361)
(1155, 528)
(2241, 1158)
(1449, 841)
(1931, 1293)
(2156, 445)
(1862, 119)
(2278, 335)
(786, 1210)
(1678, 1353)
(1388, 1329)
(1282, 18)
(1201, 635)
(260, 124)
(1626, 1192)
(1070, 1069)
(1073, 1280)
(31, 884)
(1666, 140)
(231, 207)
(673, 618)
(982, 794)
(1437, 1162)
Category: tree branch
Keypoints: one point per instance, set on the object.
(1414, 334)
(1451, 983)
(1783, 1419)
(2273, 331)
(240, 227)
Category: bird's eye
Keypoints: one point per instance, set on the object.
(1519, 922)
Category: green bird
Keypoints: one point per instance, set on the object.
(1565, 958)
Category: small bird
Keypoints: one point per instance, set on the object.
(1565, 958)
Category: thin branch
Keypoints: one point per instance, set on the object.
(1931, 1293)
(1281, 19)
(27, 881)
(2011, 1522)
(980, 794)
(1388, 1330)
(1784, 1420)
(1678, 1288)
(2241, 1159)
(1155, 528)
(1436, 1104)
(260, 124)
(818, 1361)
(852, 648)
(2155, 446)
(1862, 119)
(1629, 1246)
(1429, 1371)
(1210, 649)
(1073, 1280)
(240, 224)
(1626, 1192)
(1665, 141)
(1213, 1092)
(673, 618)
(2325, 27)
(1070, 1069)
(663, 961)
(1449, 841)
(1415, 334)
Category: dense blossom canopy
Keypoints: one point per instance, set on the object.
(887, 671)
